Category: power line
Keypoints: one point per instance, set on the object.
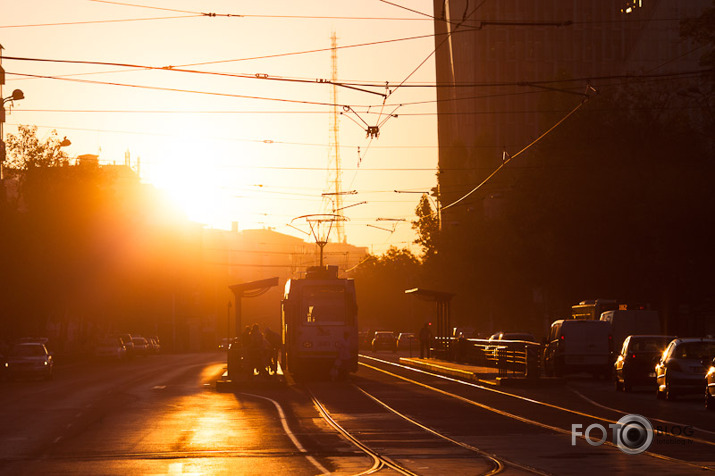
(144, 6)
(508, 158)
(366, 84)
(89, 22)
(262, 77)
(176, 90)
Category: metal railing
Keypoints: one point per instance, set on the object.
(513, 357)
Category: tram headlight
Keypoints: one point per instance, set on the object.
(307, 344)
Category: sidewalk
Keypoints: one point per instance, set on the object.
(477, 374)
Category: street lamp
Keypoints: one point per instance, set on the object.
(15, 96)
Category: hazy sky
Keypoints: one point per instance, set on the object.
(229, 148)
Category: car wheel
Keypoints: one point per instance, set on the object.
(709, 401)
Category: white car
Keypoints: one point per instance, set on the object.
(141, 346)
(110, 348)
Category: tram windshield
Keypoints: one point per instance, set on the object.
(324, 305)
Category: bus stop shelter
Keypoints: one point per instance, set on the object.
(240, 291)
(443, 332)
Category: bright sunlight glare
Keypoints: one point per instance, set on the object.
(193, 184)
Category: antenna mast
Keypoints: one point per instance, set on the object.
(334, 167)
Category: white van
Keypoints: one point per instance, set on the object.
(631, 322)
(578, 345)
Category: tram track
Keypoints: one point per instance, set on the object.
(528, 420)
(492, 464)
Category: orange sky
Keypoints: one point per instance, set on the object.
(236, 149)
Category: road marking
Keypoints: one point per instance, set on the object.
(518, 397)
(290, 434)
(592, 402)
(527, 420)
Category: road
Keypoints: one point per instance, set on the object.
(161, 414)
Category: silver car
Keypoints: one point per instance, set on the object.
(29, 359)
(682, 367)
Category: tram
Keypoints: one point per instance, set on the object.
(319, 315)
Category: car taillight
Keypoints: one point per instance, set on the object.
(633, 356)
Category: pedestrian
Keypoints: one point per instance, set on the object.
(425, 341)
(274, 343)
(340, 366)
(256, 351)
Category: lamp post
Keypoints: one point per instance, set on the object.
(15, 96)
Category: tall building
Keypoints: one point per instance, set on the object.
(490, 55)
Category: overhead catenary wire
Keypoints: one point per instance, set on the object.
(94, 22)
(509, 158)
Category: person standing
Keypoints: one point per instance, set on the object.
(425, 341)
(256, 352)
(274, 345)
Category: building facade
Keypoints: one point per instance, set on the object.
(507, 71)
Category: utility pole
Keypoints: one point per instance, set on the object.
(15, 96)
(3, 153)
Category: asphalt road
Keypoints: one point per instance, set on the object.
(162, 415)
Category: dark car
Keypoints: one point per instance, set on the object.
(384, 340)
(710, 387)
(407, 340)
(29, 359)
(635, 363)
(682, 367)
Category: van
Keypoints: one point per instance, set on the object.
(578, 345)
(631, 322)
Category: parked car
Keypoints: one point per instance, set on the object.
(407, 340)
(128, 343)
(710, 387)
(578, 345)
(384, 340)
(155, 343)
(635, 362)
(29, 359)
(110, 348)
(513, 336)
(141, 346)
(682, 368)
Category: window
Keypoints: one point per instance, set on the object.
(324, 305)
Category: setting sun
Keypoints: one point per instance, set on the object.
(193, 184)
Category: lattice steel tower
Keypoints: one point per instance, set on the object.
(334, 168)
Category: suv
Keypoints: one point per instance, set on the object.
(384, 340)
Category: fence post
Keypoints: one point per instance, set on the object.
(532, 361)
